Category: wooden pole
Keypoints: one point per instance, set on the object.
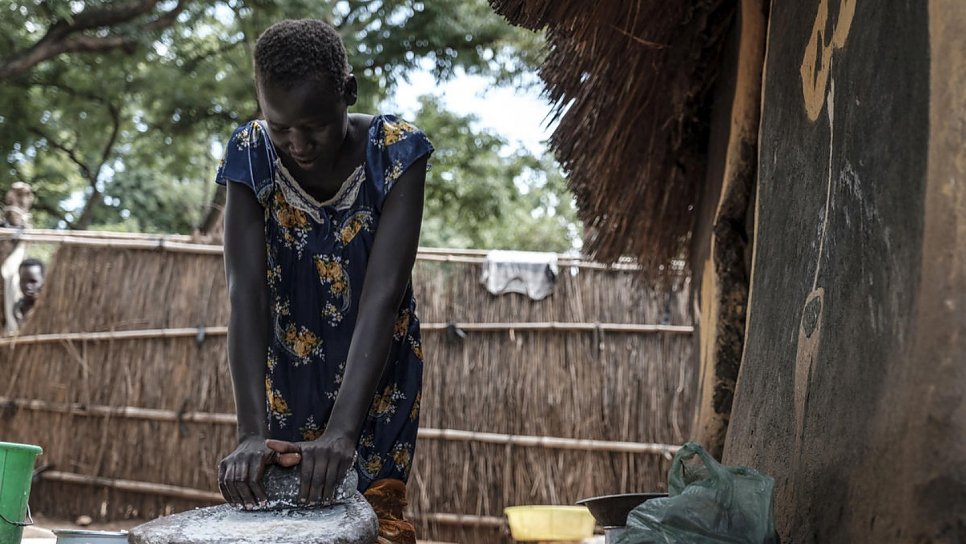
(553, 326)
(164, 490)
(548, 442)
(14, 341)
(151, 244)
(465, 520)
(94, 234)
(177, 243)
(450, 435)
(113, 235)
(146, 488)
(561, 326)
(128, 412)
(561, 261)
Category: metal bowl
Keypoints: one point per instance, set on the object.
(612, 510)
(76, 536)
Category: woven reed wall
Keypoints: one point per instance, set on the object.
(636, 387)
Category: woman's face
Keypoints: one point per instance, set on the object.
(307, 123)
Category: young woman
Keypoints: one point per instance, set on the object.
(321, 229)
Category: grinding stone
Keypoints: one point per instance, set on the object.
(352, 522)
(282, 487)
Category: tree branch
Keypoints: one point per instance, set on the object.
(216, 209)
(192, 63)
(111, 14)
(70, 152)
(91, 175)
(66, 36)
(38, 203)
(26, 85)
(87, 213)
(109, 145)
(168, 19)
(94, 200)
(247, 40)
(91, 44)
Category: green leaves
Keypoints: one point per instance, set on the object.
(129, 137)
(478, 197)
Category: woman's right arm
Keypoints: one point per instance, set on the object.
(245, 268)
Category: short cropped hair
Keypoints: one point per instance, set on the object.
(27, 263)
(298, 50)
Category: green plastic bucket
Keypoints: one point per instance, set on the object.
(16, 472)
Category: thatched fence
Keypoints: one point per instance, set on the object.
(121, 375)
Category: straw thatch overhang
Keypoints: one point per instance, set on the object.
(631, 83)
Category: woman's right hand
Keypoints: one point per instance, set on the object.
(240, 474)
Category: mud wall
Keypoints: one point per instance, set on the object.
(721, 246)
(852, 385)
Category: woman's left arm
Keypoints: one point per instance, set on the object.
(387, 276)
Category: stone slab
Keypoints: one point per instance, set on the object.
(282, 487)
(352, 522)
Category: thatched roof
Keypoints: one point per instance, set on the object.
(630, 81)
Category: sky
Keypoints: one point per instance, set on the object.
(519, 115)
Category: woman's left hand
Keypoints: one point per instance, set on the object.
(324, 465)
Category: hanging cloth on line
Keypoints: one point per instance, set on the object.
(529, 273)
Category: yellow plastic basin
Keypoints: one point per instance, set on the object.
(549, 523)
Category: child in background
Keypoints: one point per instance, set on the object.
(32, 273)
(321, 229)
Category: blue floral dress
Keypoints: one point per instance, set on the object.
(317, 258)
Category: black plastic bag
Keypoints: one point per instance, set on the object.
(707, 503)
